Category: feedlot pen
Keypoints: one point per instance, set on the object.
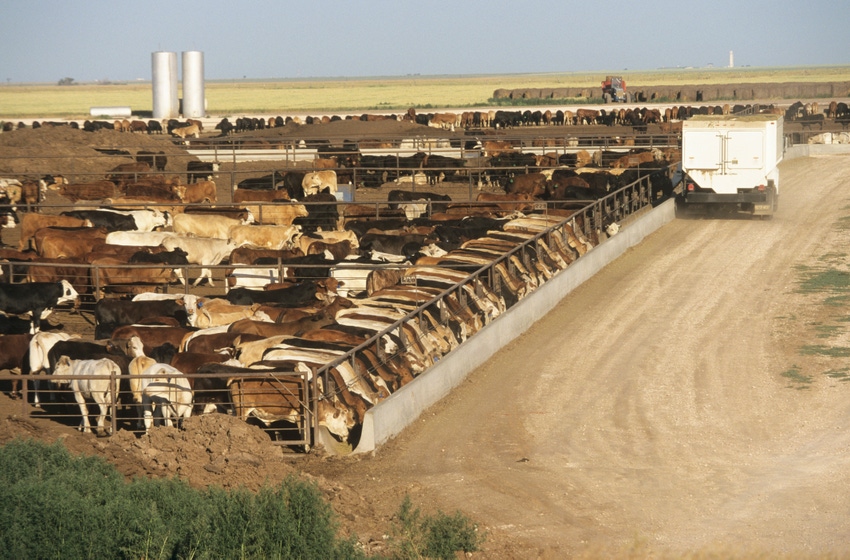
(298, 399)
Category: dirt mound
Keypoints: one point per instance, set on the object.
(63, 150)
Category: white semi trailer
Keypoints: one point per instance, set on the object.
(731, 162)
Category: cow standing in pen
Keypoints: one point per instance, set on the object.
(36, 299)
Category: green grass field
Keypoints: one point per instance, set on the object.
(369, 94)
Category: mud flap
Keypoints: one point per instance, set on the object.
(770, 203)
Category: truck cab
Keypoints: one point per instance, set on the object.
(614, 89)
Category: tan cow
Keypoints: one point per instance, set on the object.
(317, 181)
(496, 147)
(202, 191)
(277, 214)
(264, 236)
(205, 225)
(184, 131)
(215, 312)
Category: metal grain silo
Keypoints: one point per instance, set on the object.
(193, 84)
(164, 70)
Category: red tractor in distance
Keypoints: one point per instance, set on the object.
(614, 90)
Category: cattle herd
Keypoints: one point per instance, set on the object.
(323, 308)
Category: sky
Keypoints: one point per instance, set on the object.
(98, 40)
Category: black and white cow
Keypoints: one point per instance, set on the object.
(36, 299)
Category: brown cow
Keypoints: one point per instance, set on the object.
(96, 190)
(31, 222)
(112, 275)
(586, 116)
(151, 337)
(13, 348)
(249, 255)
(533, 184)
(293, 328)
(55, 243)
(443, 120)
(633, 160)
(78, 275)
(256, 195)
(125, 171)
(513, 202)
(154, 192)
(215, 342)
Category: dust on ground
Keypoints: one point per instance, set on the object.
(650, 414)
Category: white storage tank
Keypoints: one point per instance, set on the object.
(193, 84)
(164, 79)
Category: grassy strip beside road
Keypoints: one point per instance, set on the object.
(368, 94)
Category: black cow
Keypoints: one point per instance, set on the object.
(176, 257)
(396, 196)
(111, 221)
(266, 182)
(200, 171)
(360, 227)
(407, 245)
(111, 313)
(156, 160)
(322, 212)
(35, 298)
(85, 350)
(225, 126)
(299, 295)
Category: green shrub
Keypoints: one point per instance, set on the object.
(414, 536)
(56, 505)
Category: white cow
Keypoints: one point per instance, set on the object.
(138, 238)
(102, 389)
(40, 345)
(163, 389)
(202, 251)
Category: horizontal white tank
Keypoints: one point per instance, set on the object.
(110, 111)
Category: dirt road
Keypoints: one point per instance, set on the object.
(653, 408)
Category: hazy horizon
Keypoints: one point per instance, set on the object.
(95, 41)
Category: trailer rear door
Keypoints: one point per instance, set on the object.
(745, 149)
(702, 150)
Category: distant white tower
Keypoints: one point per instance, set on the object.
(731, 60)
